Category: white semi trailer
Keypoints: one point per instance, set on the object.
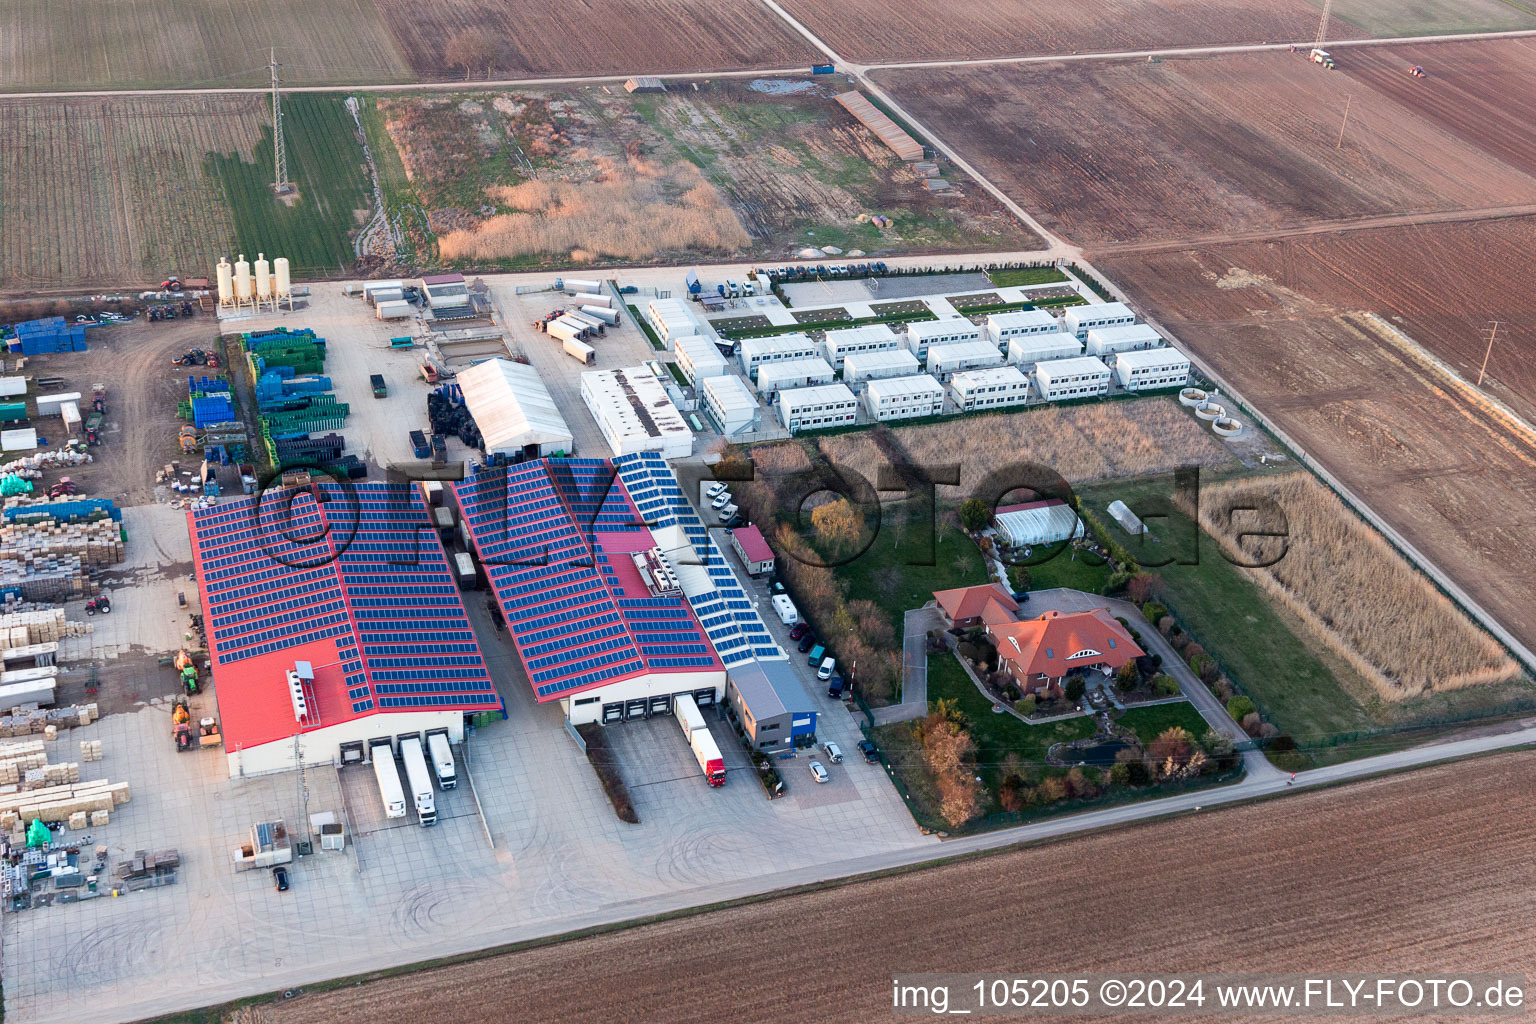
(416, 774)
(442, 758)
(390, 791)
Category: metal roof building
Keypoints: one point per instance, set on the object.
(944, 360)
(817, 408)
(1109, 341)
(1153, 368)
(671, 318)
(698, 358)
(634, 412)
(841, 343)
(792, 373)
(1028, 349)
(1079, 320)
(874, 365)
(996, 387)
(1003, 327)
(447, 295)
(772, 704)
(729, 402)
(900, 398)
(776, 348)
(514, 410)
(331, 623)
(923, 333)
(1077, 377)
(873, 118)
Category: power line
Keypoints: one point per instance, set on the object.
(280, 183)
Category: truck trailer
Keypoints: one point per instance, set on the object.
(576, 285)
(689, 717)
(464, 568)
(707, 753)
(607, 316)
(398, 309)
(580, 351)
(591, 299)
(442, 758)
(390, 791)
(416, 774)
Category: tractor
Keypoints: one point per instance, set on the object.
(181, 725)
(102, 604)
(186, 670)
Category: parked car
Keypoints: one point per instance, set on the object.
(727, 513)
(280, 878)
(799, 631)
(868, 750)
(834, 752)
(714, 490)
(721, 500)
(825, 672)
(776, 587)
(807, 641)
(819, 772)
(734, 521)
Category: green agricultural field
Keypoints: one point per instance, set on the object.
(83, 44)
(326, 162)
(1434, 17)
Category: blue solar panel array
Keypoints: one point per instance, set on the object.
(367, 571)
(727, 613)
(534, 527)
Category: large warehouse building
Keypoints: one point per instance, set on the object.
(635, 414)
(514, 410)
(615, 596)
(319, 647)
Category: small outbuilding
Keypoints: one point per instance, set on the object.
(752, 549)
(1033, 523)
(516, 415)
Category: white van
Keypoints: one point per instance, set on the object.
(827, 665)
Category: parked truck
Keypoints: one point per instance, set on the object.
(577, 284)
(380, 389)
(415, 762)
(442, 758)
(580, 351)
(707, 753)
(689, 717)
(390, 791)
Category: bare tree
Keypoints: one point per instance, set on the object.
(471, 48)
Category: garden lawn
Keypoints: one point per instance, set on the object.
(1148, 723)
(882, 573)
(1020, 276)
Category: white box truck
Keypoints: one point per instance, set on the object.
(416, 774)
(786, 609)
(442, 758)
(397, 310)
(390, 791)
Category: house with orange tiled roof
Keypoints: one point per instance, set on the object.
(1039, 653)
(965, 607)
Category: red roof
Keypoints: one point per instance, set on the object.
(970, 602)
(1057, 642)
(750, 539)
(254, 705)
(1026, 506)
(443, 279)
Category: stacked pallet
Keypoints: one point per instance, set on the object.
(35, 721)
(59, 803)
(16, 759)
(22, 629)
(48, 544)
(90, 750)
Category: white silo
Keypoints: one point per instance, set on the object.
(283, 288)
(263, 280)
(226, 276)
(242, 281)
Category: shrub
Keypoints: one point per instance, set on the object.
(1208, 670)
(1283, 742)
(1129, 676)
(1119, 775)
(1115, 584)
(603, 762)
(1075, 688)
(1025, 706)
(1251, 723)
(1192, 651)
(1138, 590)
(1179, 641)
(1167, 626)
(1164, 685)
(1153, 611)
(974, 515)
(1241, 707)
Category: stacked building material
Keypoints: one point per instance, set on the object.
(24, 628)
(16, 759)
(64, 507)
(35, 721)
(42, 543)
(90, 750)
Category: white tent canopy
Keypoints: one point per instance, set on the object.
(513, 408)
(1038, 522)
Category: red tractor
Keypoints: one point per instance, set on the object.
(171, 284)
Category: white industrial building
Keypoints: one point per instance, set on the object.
(1078, 377)
(1152, 368)
(817, 408)
(729, 402)
(874, 365)
(848, 341)
(1033, 523)
(1020, 323)
(992, 388)
(1110, 341)
(777, 348)
(635, 414)
(944, 360)
(1079, 320)
(901, 398)
(447, 296)
(671, 319)
(698, 358)
(514, 411)
(1024, 352)
(923, 333)
(796, 373)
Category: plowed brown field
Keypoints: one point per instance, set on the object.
(1428, 456)
(1354, 878)
(598, 37)
(1191, 149)
(870, 31)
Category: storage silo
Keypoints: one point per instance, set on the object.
(263, 279)
(242, 281)
(226, 275)
(283, 288)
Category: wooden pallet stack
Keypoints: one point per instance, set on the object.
(81, 802)
(16, 759)
(23, 629)
(48, 544)
(30, 720)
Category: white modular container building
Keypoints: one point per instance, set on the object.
(399, 309)
(1078, 377)
(1107, 342)
(796, 373)
(944, 360)
(1151, 369)
(53, 405)
(730, 403)
(779, 348)
(901, 398)
(1079, 320)
(923, 333)
(993, 388)
(698, 358)
(875, 365)
(514, 410)
(848, 341)
(1020, 323)
(635, 414)
(670, 318)
(1027, 350)
(817, 408)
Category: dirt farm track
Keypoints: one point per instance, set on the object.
(1353, 878)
